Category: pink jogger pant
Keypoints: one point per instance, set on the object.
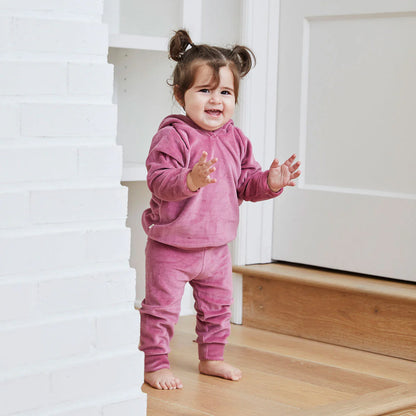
(167, 270)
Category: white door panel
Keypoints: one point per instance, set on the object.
(358, 233)
(347, 105)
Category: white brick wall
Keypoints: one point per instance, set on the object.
(76, 7)
(68, 329)
(68, 120)
(9, 119)
(69, 37)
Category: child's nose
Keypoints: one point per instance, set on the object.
(215, 97)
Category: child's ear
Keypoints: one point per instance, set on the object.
(178, 96)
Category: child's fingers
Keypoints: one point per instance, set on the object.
(290, 160)
(295, 174)
(203, 157)
(294, 167)
(275, 164)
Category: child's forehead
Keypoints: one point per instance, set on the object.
(203, 70)
(205, 74)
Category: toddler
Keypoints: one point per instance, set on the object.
(200, 169)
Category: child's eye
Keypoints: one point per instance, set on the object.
(225, 92)
(204, 90)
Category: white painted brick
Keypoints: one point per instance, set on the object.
(20, 78)
(90, 79)
(23, 346)
(14, 208)
(132, 407)
(117, 330)
(98, 377)
(86, 292)
(100, 161)
(37, 164)
(23, 393)
(63, 120)
(63, 37)
(90, 7)
(46, 251)
(108, 245)
(5, 32)
(85, 411)
(9, 120)
(62, 205)
(17, 300)
(54, 250)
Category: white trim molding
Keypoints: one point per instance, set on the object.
(260, 25)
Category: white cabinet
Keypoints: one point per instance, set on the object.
(139, 33)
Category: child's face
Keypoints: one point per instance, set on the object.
(208, 106)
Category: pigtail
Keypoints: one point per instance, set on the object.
(244, 59)
(178, 44)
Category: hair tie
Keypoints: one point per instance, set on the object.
(188, 47)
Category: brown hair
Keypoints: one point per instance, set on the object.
(189, 57)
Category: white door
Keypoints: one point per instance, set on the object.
(346, 103)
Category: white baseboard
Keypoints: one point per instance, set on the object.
(237, 306)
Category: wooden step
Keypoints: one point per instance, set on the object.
(360, 312)
(285, 376)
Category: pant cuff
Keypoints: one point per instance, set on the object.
(155, 362)
(211, 352)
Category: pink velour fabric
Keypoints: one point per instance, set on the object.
(168, 269)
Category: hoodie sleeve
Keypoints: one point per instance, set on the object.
(167, 166)
(252, 184)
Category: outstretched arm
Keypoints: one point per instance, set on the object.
(200, 174)
(283, 175)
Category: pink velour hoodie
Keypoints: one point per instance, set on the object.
(208, 217)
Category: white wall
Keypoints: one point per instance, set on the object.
(68, 329)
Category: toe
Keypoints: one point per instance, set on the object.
(164, 385)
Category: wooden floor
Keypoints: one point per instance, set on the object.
(285, 376)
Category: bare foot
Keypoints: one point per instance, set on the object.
(162, 380)
(220, 369)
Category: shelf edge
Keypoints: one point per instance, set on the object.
(126, 41)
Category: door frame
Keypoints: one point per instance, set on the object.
(258, 100)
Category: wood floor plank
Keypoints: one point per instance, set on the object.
(160, 407)
(291, 368)
(378, 403)
(400, 370)
(406, 412)
(283, 376)
(223, 400)
(262, 385)
(344, 281)
(251, 395)
(309, 372)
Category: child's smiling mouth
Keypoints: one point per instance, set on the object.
(214, 113)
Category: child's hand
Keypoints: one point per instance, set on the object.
(199, 176)
(283, 175)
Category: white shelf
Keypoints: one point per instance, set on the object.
(133, 172)
(150, 43)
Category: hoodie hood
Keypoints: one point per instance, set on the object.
(182, 122)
